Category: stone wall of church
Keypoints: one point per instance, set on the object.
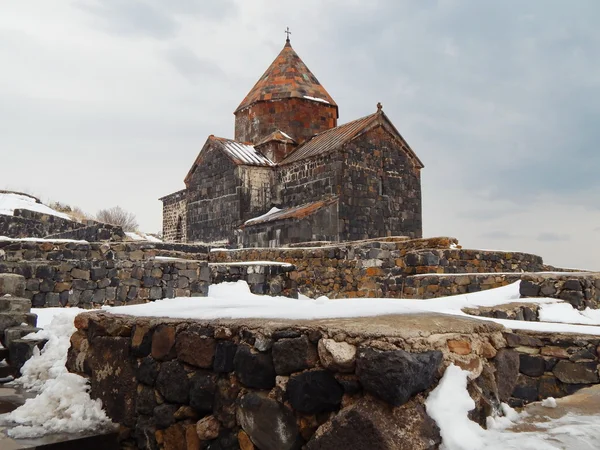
(299, 118)
(381, 189)
(256, 190)
(174, 217)
(213, 209)
(309, 180)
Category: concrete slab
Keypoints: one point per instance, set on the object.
(391, 326)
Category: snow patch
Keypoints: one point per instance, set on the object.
(235, 301)
(139, 236)
(63, 404)
(11, 201)
(57, 241)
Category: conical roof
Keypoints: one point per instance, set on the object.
(287, 77)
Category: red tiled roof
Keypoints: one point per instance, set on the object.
(287, 77)
(334, 138)
(330, 139)
(278, 136)
(296, 212)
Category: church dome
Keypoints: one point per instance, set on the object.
(287, 77)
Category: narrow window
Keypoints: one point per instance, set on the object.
(179, 230)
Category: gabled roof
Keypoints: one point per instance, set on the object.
(296, 212)
(239, 152)
(287, 77)
(277, 136)
(334, 138)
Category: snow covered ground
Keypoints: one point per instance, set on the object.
(63, 403)
(235, 301)
(9, 202)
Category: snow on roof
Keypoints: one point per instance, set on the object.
(243, 153)
(10, 201)
(297, 212)
(264, 216)
(138, 236)
(315, 99)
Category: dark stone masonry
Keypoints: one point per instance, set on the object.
(354, 181)
(326, 384)
(25, 224)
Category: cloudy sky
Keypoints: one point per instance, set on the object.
(106, 102)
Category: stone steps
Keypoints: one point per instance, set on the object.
(16, 321)
(13, 319)
(12, 284)
(13, 333)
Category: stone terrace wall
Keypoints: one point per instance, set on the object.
(93, 232)
(582, 290)
(25, 223)
(191, 384)
(431, 286)
(262, 278)
(89, 284)
(549, 364)
(134, 251)
(373, 269)
(471, 261)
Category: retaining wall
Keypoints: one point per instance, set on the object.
(440, 285)
(550, 364)
(360, 382)
(379, 269)
(582, 290)
(94, 283)
(19, 250)
(272, 384)
(25, 223)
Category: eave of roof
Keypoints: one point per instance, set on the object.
(295, 212)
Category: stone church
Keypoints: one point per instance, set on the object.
(292, 174)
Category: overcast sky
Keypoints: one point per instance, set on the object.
(106, 102)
